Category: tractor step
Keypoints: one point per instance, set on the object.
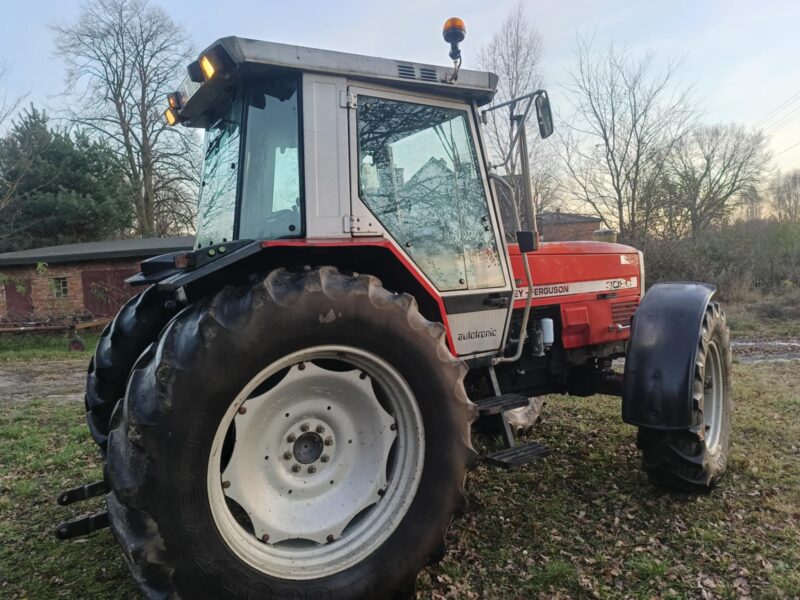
(82, 525)
(510, 458)
(82, 492)
(499, 404)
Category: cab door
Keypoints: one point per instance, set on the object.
(417, 180)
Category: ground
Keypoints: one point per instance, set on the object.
(581, 523)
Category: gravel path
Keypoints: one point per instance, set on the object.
(61, 380)
(64, 380)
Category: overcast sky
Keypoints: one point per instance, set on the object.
(741, 57)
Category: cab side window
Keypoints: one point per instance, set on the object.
(419, 175)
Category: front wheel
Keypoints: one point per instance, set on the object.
(694, 459)
(306, 436)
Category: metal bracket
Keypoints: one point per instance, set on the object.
(348, 99)
(360, 225)
(82, 492)
(82, 525)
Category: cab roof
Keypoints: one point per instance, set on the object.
(254, 56)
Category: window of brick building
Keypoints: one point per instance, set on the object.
(60, 287)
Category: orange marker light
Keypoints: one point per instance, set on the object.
(174, 100)
(454, 30)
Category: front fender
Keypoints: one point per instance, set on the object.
(660, 361)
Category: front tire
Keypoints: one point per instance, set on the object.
(135, 326)
(693, 460)
(203, 501)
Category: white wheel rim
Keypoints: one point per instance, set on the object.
(712, 397)
(326, 485)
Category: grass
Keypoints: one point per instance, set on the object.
(23, 347)
(770, 316)
(585, 523)
(581, 523)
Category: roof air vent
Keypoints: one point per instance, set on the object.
(406, 71)
(428, 74)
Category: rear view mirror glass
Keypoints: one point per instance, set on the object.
(544, 115)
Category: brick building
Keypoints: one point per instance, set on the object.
(558, 226)
(85, 279)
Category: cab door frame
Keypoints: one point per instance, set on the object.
(478, 317)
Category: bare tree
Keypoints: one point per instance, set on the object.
(785, 192)
(752, 204)
(627, 122)
(123, 57)
(713, 167)
(514, 53)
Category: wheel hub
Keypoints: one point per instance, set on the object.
(712, 397)
(308, 448)
(293, 509)
(310, 454)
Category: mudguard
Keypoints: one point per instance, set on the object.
(660, 361)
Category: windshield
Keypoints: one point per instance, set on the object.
(271, 187)
(217, 207)
(269, 198)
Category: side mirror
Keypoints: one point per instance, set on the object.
(544, 115)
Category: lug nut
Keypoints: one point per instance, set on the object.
(290, 439)
(301, 366)
(296, 468)
(304, 427)
(312, 469)
(324, 458)
(329, 441)
(393, 426)
(226, 485)
(265, 538)
(320, 429)
(242, 409)
(287, 455)
(330, 539)
(381, 492)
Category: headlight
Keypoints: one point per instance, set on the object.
(641, 271)
(207, 66)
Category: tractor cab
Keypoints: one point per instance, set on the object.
(315, 145)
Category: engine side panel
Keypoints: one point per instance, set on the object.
(596, 285)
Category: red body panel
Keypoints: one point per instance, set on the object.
(374, 242)
(596, 284)
(561, 271)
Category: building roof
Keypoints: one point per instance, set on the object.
(105, 250)
(565, 218)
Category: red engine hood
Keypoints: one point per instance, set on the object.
(597, 286)
(578, 248)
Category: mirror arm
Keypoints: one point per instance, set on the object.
(526, 185)
(523, 333)
(524, 117)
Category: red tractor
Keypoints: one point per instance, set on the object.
(286, 411)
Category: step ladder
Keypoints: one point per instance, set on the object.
(512, 456)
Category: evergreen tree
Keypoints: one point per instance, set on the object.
(60, 187)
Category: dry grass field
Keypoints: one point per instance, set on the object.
(582, 523)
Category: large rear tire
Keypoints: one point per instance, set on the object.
(317, 383)
(694, 459)
(136, 325)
